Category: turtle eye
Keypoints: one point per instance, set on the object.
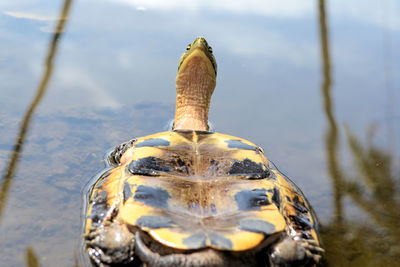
(210, 49)
(188, 47)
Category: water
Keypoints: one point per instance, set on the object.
(113, 77)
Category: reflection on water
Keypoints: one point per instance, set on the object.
(115, 80)
(40, 91)
(31, 258)
(374, 189)
(331, 136)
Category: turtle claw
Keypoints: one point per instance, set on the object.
(110, 244)
(296, 251)
(313, 250)
(90, 235)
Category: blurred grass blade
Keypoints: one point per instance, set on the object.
(40, 92)
(31, 258)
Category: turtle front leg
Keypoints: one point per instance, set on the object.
(295, 251)
(109, 244)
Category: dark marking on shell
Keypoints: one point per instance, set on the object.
(152, 196)
(213, 208)
(258, 226)
(214, 162)
(299, 205)
(301, 221)
(203, 132)
(194, 205)
(252, 199)
(220, 241)
(180, 166)
(186, 134)
(201, 135)
(249, 169)
(306, 235)
(214, 167)
(153, 142)
(149, 166)
(239, 145)
(276, 199)
(127, 193)
(197, 240)
(154, 222)
(99, 208)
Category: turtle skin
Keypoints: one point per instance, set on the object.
(194, 198)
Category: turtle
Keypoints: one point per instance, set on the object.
(194, 197)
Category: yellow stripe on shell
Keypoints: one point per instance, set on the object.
(174, 138)
(249, 154)
(245, 240)
(163, 135)
(272, 215)
(113, 185)
(131, 211)
(238, 154)
(144, 152)
(88, 222)
(221, 138)
(169, 237)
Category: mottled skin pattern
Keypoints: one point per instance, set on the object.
(190, 197)
(195, 83)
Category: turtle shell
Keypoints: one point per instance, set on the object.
(191, 190)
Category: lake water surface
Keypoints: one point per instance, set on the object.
(316, 84)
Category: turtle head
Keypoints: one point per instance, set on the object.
(199, 47)
(195, 83)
